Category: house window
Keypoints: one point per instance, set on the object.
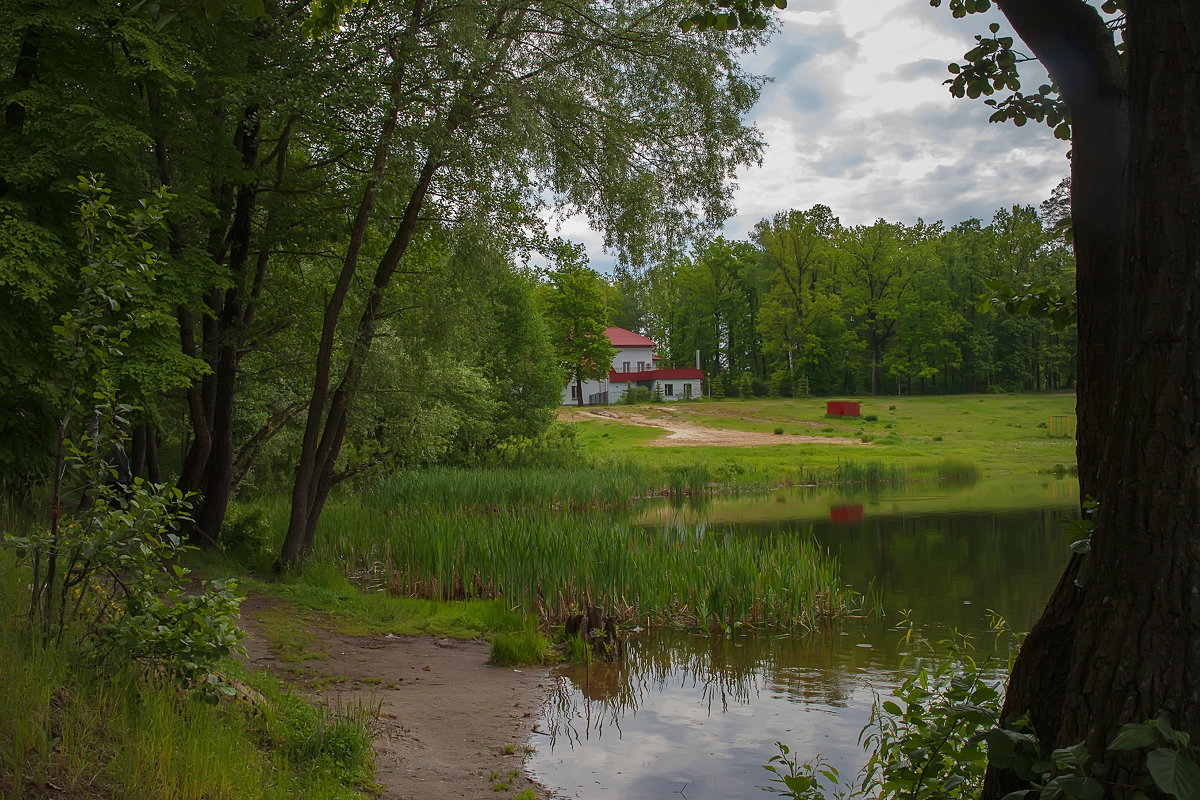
(625, 366)
(574, 392)
(669, 389)
(641, 366)
(687, 390)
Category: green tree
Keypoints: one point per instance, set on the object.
(797, 250)
(495, 107)
(577, 317)
(877, 280)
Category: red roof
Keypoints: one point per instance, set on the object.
(685, 373)
(623, 338)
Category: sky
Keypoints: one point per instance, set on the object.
(857, 118)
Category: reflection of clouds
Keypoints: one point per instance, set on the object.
(704, 712)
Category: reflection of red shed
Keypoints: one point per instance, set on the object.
(843, 408)
(846, 514)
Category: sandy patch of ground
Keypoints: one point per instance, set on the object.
(683, 433)
(446, 717)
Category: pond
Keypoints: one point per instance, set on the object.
(697, 716)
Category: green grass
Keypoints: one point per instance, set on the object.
(548, 563)
(588, 487)
(998, 433)
(92, 734)
(520, 649)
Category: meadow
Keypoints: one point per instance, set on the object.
(998, 433)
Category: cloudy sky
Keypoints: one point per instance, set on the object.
(857, 118)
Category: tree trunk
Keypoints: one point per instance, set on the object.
(327, 414)
(1125, 645)
(218, 473)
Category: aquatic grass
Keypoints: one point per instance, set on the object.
(957, 471)
(870, 474)
(595, 485)
(607, 485)
(523, 648)
(551, 565)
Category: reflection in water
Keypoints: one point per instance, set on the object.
(699, 715)
(702, 713)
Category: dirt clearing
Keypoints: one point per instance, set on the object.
(450, 727)
(684, 433)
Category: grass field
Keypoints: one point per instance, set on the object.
(996, 432)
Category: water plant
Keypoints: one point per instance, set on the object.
(546, 564)
(957, 471)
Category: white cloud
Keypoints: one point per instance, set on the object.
(858, 118)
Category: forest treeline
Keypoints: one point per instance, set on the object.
(343, 198)
(881, 308)
(309, 237)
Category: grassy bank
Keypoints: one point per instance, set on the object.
(1000, 434)
(70, 729)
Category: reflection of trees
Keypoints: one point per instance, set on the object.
(950, 569)
(819, 668)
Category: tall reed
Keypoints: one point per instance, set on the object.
(552, 565)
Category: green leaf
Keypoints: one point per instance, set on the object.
(798, 784)
(1074, 756)
(1132, 734)
(1174, 773)
(254, 8)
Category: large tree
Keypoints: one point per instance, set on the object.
(602, 109)
(577, 315)
(1119, 641)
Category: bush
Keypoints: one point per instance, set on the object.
(556, 447)
(778, 431)
(246, 533)
(870, 417)
(637, 394)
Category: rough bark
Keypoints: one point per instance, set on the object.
(1125, 645)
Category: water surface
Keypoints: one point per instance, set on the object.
(697, 716)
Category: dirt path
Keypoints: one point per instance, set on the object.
(448, 722)
(684, 433)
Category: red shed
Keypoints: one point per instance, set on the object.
(843, 408)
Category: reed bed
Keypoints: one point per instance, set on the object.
(552, 565)
(588, 488)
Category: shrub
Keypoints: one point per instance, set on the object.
(870, 417)
(778, 430)
(246, 533)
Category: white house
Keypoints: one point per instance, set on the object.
(636, 365)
